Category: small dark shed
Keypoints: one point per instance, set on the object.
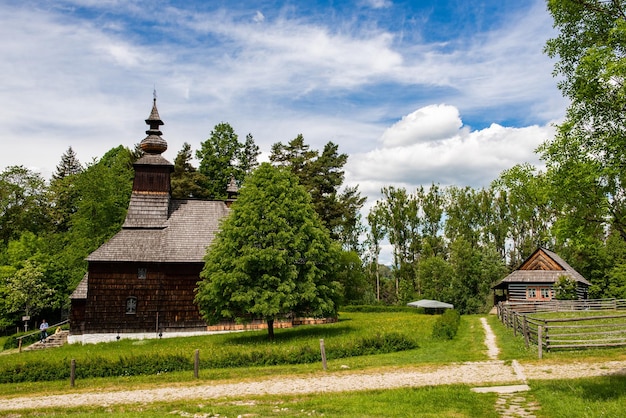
(534, 279)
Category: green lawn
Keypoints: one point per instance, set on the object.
(229, 349)
(430, 402)
(566, 398)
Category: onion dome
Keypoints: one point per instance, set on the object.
(153, 143)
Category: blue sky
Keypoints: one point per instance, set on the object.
(416, 92)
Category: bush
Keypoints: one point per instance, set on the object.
(150, 364)
(378, 308)
(94, 367)
(12, 341)
(447, 325)
(378, 344)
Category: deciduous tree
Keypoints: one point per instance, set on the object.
(272, 258)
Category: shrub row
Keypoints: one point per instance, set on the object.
(46, 370)
(93, 367)
(447, 325)
(379, 308)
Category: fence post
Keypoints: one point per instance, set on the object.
(515, 324)
(72, 372)
(196, 363)
(323, 350)
(525, 330)
(539, 343)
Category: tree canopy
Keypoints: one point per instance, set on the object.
(322, 176)
(272, 257)
(222, 157)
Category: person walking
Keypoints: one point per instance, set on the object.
(43, 328)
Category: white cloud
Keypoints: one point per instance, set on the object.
(378, 4)
(462, 157)
(74, 81)
(430, 123)
(258, 17)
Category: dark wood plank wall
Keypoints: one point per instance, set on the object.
(165, 298)
(77, 316)
(152, 179)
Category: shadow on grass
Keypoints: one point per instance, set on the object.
(604, 388)
(290, 334)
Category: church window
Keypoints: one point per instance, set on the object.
(131, 305)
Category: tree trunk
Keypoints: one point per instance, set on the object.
(270, 329)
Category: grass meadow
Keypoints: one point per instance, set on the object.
(604, 397)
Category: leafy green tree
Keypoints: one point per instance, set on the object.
(375, 236)
(23, 203)
(186, 180)
(565, 289)
(432, 203)
(351, 274)
(272, 258)
(476, 269)
(223, 157)
(351, 227)
(586, 160)
(105, 188)
(436, 276)
(26, 292)
(529, 216)
(402, 224)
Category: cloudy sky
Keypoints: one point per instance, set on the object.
(416, 92)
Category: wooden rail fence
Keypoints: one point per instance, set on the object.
(589, 330)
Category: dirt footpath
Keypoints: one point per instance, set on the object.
(485, 373)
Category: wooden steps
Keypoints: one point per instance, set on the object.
(53, 340)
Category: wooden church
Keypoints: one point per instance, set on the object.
(143, 279)
(534, 279)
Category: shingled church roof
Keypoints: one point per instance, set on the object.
(190, 228)
(157, 228)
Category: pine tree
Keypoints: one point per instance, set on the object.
(68, 166)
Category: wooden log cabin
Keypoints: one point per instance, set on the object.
(534, 279)
(143, 279)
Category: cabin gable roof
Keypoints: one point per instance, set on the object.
(542, 266)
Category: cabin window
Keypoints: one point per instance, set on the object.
(142, 272)
(131, 305)
(531, 293)
(545, 293)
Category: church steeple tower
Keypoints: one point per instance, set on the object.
(149, 202)
(154, 143)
